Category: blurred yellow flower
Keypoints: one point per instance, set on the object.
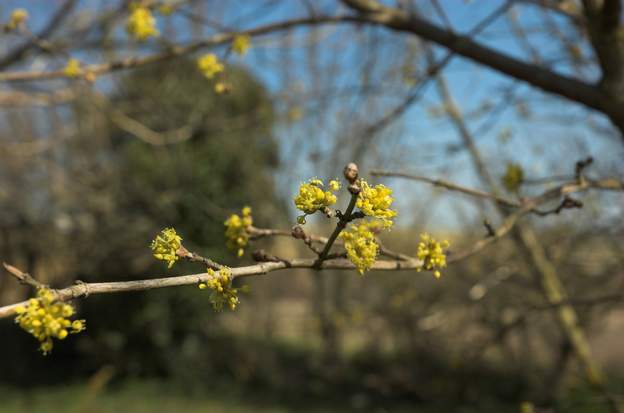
(72, 68)
(209, 65)
(18, 17)
(236, 230)
(141, 23)
(241, 44)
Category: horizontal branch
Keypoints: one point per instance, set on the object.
(85, 289)
(175, 51)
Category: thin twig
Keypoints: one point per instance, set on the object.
(23, 277)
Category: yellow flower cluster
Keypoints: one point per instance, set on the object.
(222, 291)
(141, 23)
(46, 319)
(18, 17)
(241, 44)
(209, 65)
(513, 178)
(359, 241)
(72, 69)
(312, 197)
(431, 252)
(236, 230)
(375, 202)
(166, 245)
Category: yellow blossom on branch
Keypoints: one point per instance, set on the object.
(166, 245)
(72, 69)
(334, 185)
(222, 87)
(513, 178)
(312, 197)
(359, 241)
(241, 44)
(376, 201)
(209, 65)
(141, 23)
(237, 230)
(18, 18)
(223, 294)
(431, 252)
(46, 319)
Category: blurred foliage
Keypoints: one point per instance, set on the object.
(127, 190)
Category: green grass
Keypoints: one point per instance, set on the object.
(156, 397)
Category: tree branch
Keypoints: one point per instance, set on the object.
(547, 80)
(86, 289)
(175, 51)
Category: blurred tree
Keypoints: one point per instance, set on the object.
(136, 187)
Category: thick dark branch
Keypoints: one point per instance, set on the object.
(603, 22)
(535, 75)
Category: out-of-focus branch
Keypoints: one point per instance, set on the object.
(55, 22)
(22, 277)
(545, 79)
(175, 51)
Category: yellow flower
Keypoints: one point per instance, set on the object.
(209, 65)
(312, 198)
(431, 252)
(376, 201)
(72, 69)
(223, 294)
(46, 319)
(241, 44)
(222, 87)
(18, 17)
(166, 245)
(141, 24)
(359, 241)
(334, 185)
(236, 230)
(513, 178)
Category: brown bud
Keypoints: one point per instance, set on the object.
(354, 188)
(351, 172)
(298, 232)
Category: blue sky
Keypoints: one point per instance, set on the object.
(418, 142)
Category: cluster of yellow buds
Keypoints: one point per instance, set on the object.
(166, 245)
(17, 19)
(359, 241)
(376, 201)
(72, 68)
(210, 65)
(223, 294)
(431, 252)
(513, 178)
(141, 23)
(241, 44)
(45, 318)
(312, 197)
(237, 230)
